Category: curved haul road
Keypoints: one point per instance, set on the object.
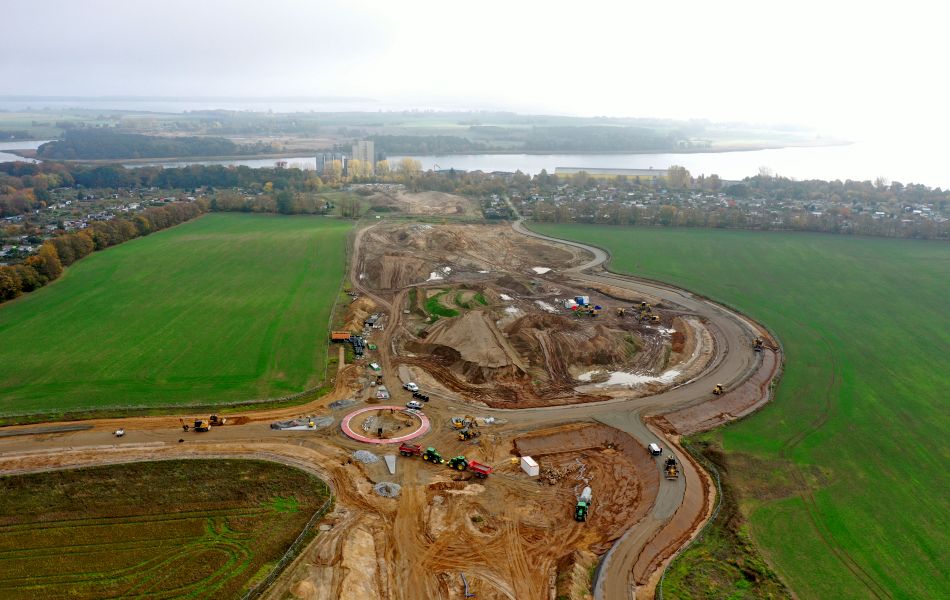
(633, 562)
(734, 362)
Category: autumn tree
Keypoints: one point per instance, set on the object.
(678, 177)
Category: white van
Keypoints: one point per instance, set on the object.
(655, 449)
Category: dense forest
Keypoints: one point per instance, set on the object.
(427, 144)
(597, 139)
(98, 144)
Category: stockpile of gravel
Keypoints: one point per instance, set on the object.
(365, 456)
(387, 489)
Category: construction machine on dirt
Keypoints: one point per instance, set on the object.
(758, 344)
(432, 455)
(200, 425)
(583, 504)
(468, 433)
(216, 420)
(719, 390)
(671, 469)
(460, 463)
(410, 449)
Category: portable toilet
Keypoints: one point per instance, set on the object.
(582, 300)
(529, 466)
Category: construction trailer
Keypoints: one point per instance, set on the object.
(339, 336)
(529, 466)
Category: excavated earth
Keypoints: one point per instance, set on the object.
(511, 342)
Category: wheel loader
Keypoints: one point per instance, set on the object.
(671, 468)
(468, 433)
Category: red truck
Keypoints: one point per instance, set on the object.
(410, 449)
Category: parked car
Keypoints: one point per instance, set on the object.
(420, 396)
(414, 404)
(411, 387)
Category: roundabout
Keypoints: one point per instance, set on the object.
(389, 423)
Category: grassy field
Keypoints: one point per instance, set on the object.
(226, 308)
(843, 478)
(147, 529)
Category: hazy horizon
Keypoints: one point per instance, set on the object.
(843, 68)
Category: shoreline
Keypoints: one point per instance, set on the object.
(31, 154)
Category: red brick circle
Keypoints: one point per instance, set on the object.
(423, 427)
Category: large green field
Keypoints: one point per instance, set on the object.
(844, 477)
(171, 529)
(228, 307)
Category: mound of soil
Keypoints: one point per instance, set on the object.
(357, 312)
(555, 343)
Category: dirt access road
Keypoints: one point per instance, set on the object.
(633, 564)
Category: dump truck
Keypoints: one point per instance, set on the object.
(671, 469)
(410, 449)
(719, 390)
(432, 455)
(583, 504)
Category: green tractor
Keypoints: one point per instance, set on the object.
(459, 463)
(432, 455)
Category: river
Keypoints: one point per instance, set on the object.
(859, 161)
(27, 145)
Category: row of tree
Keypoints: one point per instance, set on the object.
(97, 144)
(63, 250)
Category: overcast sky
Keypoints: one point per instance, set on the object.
(840, 66)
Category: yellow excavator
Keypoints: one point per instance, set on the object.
(719, 390)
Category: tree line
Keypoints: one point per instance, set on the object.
(97, 144)
(61, 251)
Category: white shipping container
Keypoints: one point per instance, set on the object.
(529, 466)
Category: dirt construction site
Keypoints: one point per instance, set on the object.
(522, 354)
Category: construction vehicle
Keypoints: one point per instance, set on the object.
(671, 468)
(468, 421)
(481, 471)
(216, 420)
(719, 390)
(468, 433)
(621, 311)
(758, 344)
(410, 449)
(200, 425)
(459, 463)
(432, 455)
(583, 504)
(654, 318)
